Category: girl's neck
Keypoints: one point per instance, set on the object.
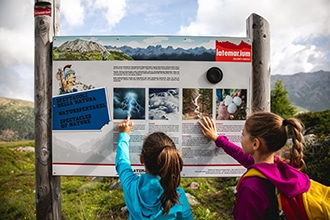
(263, 158)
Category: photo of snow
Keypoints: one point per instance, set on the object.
(164, 104)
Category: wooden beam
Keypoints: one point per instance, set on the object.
(48, 202)
(258, 32)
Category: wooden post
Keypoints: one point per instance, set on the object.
(56, 17)
(258, 32)
(48, 202)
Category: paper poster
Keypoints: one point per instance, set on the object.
(165, 83)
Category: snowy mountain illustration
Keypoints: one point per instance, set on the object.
(167, 53)
(80, 49)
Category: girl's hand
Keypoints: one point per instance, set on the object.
(126, 126)
(209, 129)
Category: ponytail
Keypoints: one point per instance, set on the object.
(161, 158)
(273, 129)
(170, 164)
(296, 155)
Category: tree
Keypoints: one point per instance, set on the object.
(280, 103)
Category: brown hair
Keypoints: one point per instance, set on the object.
(163, 159)
(273, 129)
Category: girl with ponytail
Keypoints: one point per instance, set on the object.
(156, 194)
(264, 134)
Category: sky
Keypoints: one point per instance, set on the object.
(299, 30)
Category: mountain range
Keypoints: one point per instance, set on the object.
(307, 90)
(167, 53)
(70, 49)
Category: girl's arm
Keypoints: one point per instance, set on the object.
(209, 130)
(123, 165)
(234, 151)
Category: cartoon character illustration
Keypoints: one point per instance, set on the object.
(67, 81)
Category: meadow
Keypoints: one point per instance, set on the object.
(90, 198)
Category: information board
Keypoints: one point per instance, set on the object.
(165, 83)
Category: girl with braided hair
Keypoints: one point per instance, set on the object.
(263, 135)
(156, 194)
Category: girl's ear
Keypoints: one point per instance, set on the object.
(141, 158)
(256, 143)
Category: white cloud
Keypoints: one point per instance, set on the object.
(92, 16)
(288, 21)
(153, 40)
(304, 55)
(16, 39)
(17, 50)
(73, 12)
(288, 60)
(112, 11)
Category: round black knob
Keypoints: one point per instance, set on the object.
(214, 75)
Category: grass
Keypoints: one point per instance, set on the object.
(17, 182)
(86, 198)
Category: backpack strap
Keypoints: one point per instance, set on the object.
(252, 172)
(283, 213)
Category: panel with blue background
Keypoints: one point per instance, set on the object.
(86, 110)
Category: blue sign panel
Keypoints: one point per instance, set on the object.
(86, 110)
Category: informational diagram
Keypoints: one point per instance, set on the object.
(164, 83)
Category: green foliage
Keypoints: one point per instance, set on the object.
(216, 197)
(17, 120)
(26, 143)
(317, 154)
(280, 102)
(317, 123)
(317, 158)
(83, 198)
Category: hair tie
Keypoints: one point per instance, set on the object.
(166, 146)
(285, 122)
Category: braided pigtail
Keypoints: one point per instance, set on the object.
(296, 157)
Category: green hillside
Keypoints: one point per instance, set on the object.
(17, 120)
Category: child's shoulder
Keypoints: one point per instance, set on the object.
(255, 185)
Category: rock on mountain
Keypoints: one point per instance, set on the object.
(83, 46)
(308, 90)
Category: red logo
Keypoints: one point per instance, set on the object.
(42, 11)
(229, 52)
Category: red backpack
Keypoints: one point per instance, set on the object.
(313, 204)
